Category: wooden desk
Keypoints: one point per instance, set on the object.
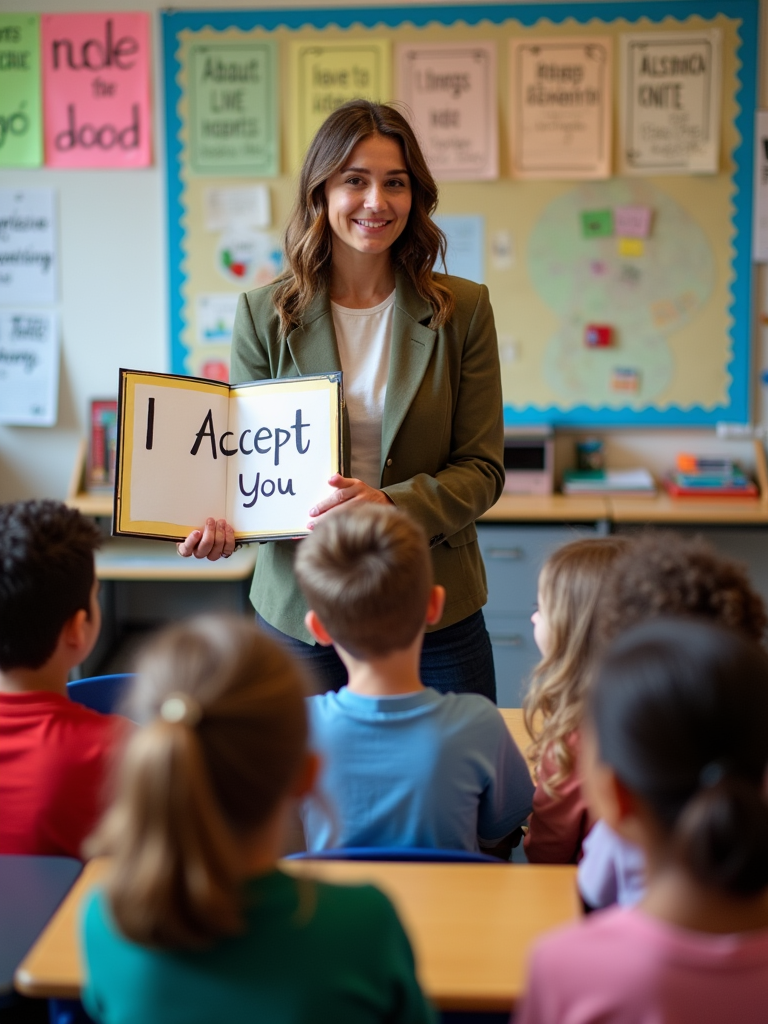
(549, 508)
(128, 558)
(31, 888)
(471, 925)
(513, 719)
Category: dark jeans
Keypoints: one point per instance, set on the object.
(458, 658)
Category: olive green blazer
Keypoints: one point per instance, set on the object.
(442, 434)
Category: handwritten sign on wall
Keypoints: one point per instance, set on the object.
(561, 107)
(29, 367)
(451, 90)
(233, 117)
(670, 102)
(21, 123)
(28, 264)
(326, 75)
(96, 90)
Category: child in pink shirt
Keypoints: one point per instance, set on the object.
(674, 760)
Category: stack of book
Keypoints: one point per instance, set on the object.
(709, 478)
(630, 483)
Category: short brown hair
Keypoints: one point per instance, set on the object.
(662, 574)
(190, 789)
(367, 574)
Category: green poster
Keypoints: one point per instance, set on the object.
(21, 122)
(233, 125)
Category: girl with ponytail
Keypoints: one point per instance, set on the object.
(195, 922)
(675, 758)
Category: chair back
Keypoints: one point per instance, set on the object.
(398, 853)
(100, 693)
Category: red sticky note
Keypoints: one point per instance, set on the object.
(96, 89)
(598, 336)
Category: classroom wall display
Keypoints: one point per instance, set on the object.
(233, 122)
(562, 109)
(96, 90)
(28, 247)
(29, 367)
(662, 263)
(760, 251)
(21, 121)
(670, 102)
(325, 74)
(451, 94)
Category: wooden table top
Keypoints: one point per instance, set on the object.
(471, 925)
(513, 719)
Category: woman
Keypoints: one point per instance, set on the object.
(423, 423)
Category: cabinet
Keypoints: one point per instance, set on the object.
(513, 556)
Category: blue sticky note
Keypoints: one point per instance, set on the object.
(465, 256)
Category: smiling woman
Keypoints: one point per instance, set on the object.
(423, 424)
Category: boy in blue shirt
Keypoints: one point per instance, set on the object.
(404, 765)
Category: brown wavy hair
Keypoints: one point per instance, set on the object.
(308, 239)
(569, 589)
(663, 574)
(189, 792)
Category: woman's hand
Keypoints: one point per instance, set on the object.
(216, 540)
(348, 490)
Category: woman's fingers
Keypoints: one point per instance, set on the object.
(346, 488)
(217, 538)
(189, 544)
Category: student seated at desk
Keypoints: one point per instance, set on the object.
(564, 631)
(404, 765)
(676, 752)
(660, 574)
(54, 754)
(195, 923)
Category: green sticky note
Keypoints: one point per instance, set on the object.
(233, 115)
(21, 120)
(597, 223)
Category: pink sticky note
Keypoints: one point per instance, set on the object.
(96, 90)
(632, 221)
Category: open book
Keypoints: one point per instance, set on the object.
(258, 455)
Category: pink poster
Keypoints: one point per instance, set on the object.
(96, 90)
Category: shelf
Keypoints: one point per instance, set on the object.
(126, 558)
(547, 508)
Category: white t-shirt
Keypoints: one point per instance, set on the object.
(364, 337)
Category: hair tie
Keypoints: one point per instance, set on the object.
(711, 774)
(182, 709)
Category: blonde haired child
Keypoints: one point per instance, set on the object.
(195, 922)
(564, 630)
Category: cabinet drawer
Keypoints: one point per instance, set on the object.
(513, 557)
(514, 655)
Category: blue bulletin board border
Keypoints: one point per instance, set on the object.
(737, 408)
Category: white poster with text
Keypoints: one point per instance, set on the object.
(670, 102)
(561, 108)
(27, 247)
(450, 92)
(29, 367)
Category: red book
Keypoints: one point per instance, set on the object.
(750, 491)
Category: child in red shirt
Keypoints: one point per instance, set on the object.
(54, 754)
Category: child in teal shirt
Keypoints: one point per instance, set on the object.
(195, 923)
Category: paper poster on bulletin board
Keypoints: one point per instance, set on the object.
(662, 262)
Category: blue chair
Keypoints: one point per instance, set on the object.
(398, 853)
(100, 693)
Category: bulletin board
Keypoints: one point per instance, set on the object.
(682, 310)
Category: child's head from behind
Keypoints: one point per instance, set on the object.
(663, 574)
(47, 576)
(678, 714)
(367, 575)
(222, 748)
(569, 587)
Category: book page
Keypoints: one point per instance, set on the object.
(177, 474)
(284, 444)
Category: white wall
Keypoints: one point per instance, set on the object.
(113, 288)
